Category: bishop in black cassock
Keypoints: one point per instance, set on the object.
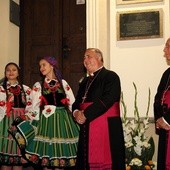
(101, 140)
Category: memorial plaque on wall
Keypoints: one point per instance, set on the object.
(124, 2)
(139, 24)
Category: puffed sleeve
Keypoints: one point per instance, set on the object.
(32, 109)
(27, 91)
(69, 94)
(2, 103)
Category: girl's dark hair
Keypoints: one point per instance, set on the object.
(18, 78)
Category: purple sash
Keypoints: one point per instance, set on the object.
(168, 151)
(99, 143)
(166, 100)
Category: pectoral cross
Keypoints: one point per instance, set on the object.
(83, 99)
(88, 85)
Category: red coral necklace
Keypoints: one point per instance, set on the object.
(15, 90)
(52, 88)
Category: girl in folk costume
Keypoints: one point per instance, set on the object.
(49, 138)
(14, 96)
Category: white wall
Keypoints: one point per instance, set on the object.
(98, 34)
(140, 61)
(9, 35)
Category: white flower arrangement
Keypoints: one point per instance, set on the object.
(139, 148)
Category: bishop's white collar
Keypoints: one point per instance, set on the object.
(92, 74)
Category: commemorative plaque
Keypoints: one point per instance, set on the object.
(124, 2)
(139, 24)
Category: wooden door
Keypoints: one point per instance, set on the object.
(74, 41)
(52, 27)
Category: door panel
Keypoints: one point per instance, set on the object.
(38, 36)
(52, 27)
(74, 41)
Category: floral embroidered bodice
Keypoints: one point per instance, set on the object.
(18, 97)
(13, 97)
(52, 95)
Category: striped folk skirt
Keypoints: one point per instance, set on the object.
(9, 151)
(50, 141)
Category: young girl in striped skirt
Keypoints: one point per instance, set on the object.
(49, 135)
(14, 96)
